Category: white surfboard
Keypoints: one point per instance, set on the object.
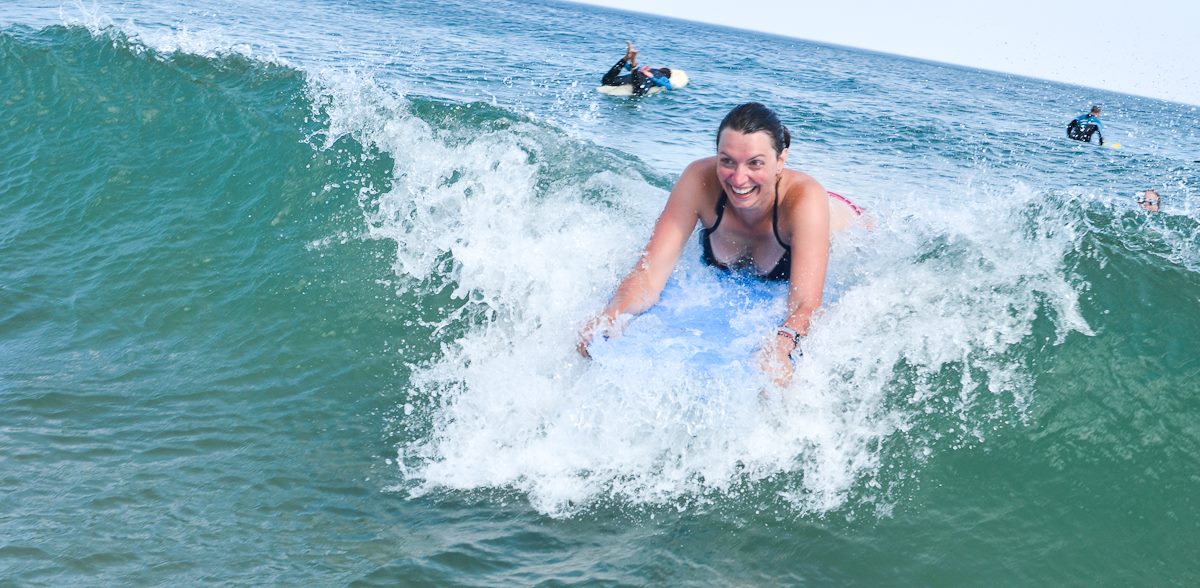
(679, 79)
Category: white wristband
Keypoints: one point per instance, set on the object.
(794, 336)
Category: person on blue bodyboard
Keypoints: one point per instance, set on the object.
(756, 218)
(640, 78)
(1082, 127)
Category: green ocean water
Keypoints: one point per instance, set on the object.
(299, 317)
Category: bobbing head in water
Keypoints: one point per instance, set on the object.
(1149, 200)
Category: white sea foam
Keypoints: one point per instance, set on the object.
(205, 39)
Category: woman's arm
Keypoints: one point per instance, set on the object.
(809, 225)
(807, 212)
(642, 286)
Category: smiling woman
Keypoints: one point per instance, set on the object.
(758, 218)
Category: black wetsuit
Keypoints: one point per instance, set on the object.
(783, 267)
(1082, 127)
(640, 82)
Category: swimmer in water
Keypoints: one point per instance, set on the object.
(1149, 200)
(1083, 126)
(755, 217)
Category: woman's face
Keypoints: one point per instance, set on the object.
(748, 166)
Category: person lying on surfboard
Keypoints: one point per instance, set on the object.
(641, 78)
(755, 217)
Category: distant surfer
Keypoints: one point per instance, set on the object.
(756, 217)
(640, 78)
(1149, 200)
(1083, 126)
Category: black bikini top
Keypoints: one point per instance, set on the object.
(783, 267)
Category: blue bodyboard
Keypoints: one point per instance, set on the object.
(708, 322)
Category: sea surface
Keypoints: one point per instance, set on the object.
(289, 293)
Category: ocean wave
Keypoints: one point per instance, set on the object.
(506, 231)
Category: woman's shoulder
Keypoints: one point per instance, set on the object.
(800, 186)
(701, 175)
(704, 165)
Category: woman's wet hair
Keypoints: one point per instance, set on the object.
(664, 72)
(753, 117)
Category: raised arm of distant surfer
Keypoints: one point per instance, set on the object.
(640, 78)
(756, 217)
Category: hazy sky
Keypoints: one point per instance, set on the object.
(1145, 47)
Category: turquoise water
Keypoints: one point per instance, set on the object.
(288, 295)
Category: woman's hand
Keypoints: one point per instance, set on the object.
(599, 324)
(774, 358)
